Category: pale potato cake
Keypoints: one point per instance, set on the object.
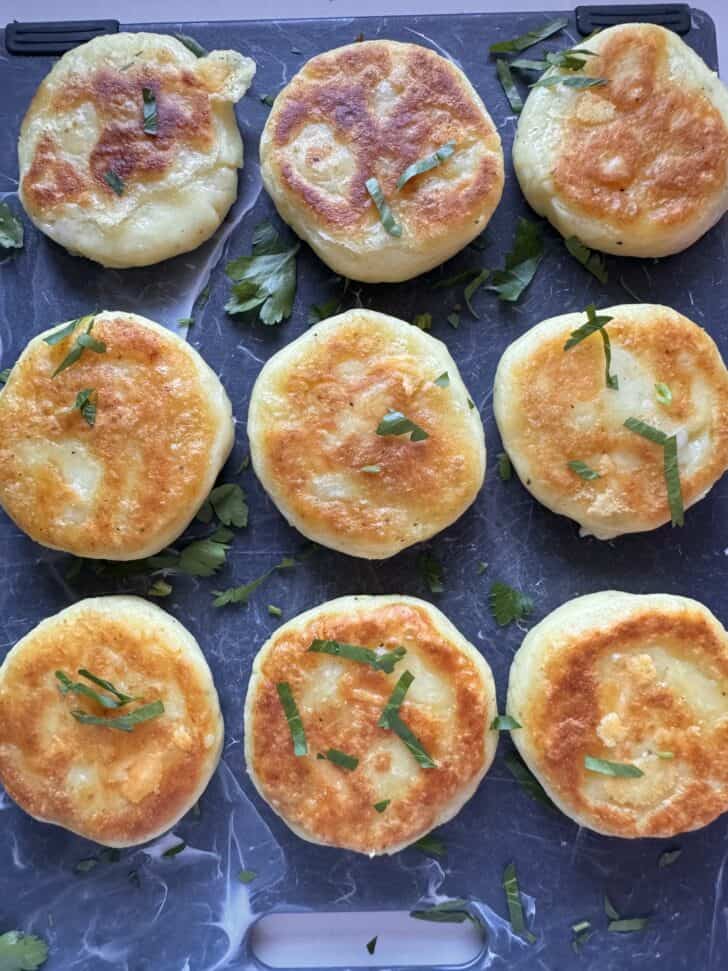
(129, 150)
(379, 797)
(369, 111)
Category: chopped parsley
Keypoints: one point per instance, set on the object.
(371, 469)
(11, 229)
(504, 723)
(149, 112)
(443, 380)
(591, 260)
(227, 501)
(663, 393)
(344, 761)
(293, 717)
(372, 945)
(174, 850)
(322, 311)
(508, 604)
(382, 805)
(515, 907)
(22, 952)
(503, 69)
(471, 289)
(243, 593)
(191, 44)
(583, 470)
(595, 323)
(530, 38)
(390, 719)
(395, 423)
(582, 931)
(114, 182)
(5, 375)
(527, 780)
(423, 321)
(521, 262)
(671, 466)
(569, 81)
(247, 876)
(621, 769)
(204, 557)
(160, 588)
(363, 655)
(117, 700)
(669, 857)
(83, 341)
(430, 845)
(265, 281)
(448, 912)
(430, 569)
(385, 213)
(274, 611)
(86, 406)
(124, 723)
(440, 155)
(505, 469)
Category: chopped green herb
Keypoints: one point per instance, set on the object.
(457, 278)
(124, 723)
(247, 876)
(266, 280)
(5, 375)
(527, 780)
(67, 686)
(395, 423)
(670, 465)
(627, 925)
(569, 81)
(430, 569)
(22, 952)
(508, 604)
(609, 909)
(322, 311)
(595, 323)
(530, 38)
(423, 321)
(454, 320)
(470, 290)
(622, 769)
(242, 594)
(65, 330)
(439, 156)
(149, 111)
(364, 655)
(293, 718)
(591, 260)
(669, 857)
(504, 723)
(84, 866)
(521, 263)
(11, 231)
(191, 44)
(583, 470)
(175, 850)
(582, 931)
(114, 182)
(227, 501)
(371, 945)
(385, 213)
(87, 407)
(665, 755)
(82, 342)
(663, 393)
(391, 720)
(515, 908)
(268, 99)
(160, 588)
(646, 431)
(371, 469)
(430, 845)
(448, 912)
(503, 69)
(505, 469)
(381, 806)
(185, 321)
(341, 759)
(396, 699)
(443, 381)
(204, 557)
(274, 611)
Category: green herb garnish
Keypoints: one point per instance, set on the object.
(527, 780)
(504, 723)
(247, 876)
(267, 99)
(530, 38)
(204, 557)
(503, 69)
(86, 406)
(227, 501)
(665, 755)
(669, 857)
(508, 604)
(395, 423)
(381, 806)
(385, 213)
(621, 769)
(390, 719)
(242, 594)
(114, 182)
(371, 945)
(521, 263)
(448, 912)
(191, 44)
(569, 81)
(11, 232)
(663, 393)
(22, 952)
(591, 260)
(82, 342)
(583, 470)
(68, 686)
(124, 723)
(443, 380)
(515, 908)
(149, 111)
(5, 375)
(505, 469)
(274, 611)
(290, 708)
(174, 850)
(364, 655)
(670, 465)
(371, 469)
(439, 156)
(186, 322)
(322, 311)
(430, 569)
(344, 761)
(595, 323)
(266, 280)
(582, 931)
(454, 320)
(160, 588)
(430, 845)
(627, 925)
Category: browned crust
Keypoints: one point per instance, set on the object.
(434, 106)
(154, 422)
(571, 698)
(672, 142)
(675, 350)
(334, 806)
(147, 777)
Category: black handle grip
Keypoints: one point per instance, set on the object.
(55, 38)
(674, 16)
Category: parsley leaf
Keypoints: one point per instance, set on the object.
(515, 907)
(521, 263)
(663, 393)
(191, 44)
(591, 260)
(448, 912)
(227, 501)
(439, 156)
(293, 717)
(114, 182)
(149, 112)
(274, 611)
(595, 323)
(86, 406)
(423, 321)
(83, 341)
(530, 38)
(247, 876)
(505, 469)
(243, 593)
(11, 229)
(341, 759)
(569, 81)
(371, 945)
(503, 69)
(627, 925)
(669, 857)
(381, 806)
(322, 311)
(430, 569)
(443, 380)
(603, 767)
(67, 686)
(124, 723)
(583, 470)
(390, 719)
(160, 588)
(508, 604)
(670, 465)
(174, 850)
(265, 280)
(527, 780)
(385, 213)
(504, 723)
(204, 557)
(430, 845)
(364, 655)
(395, 423)
(472, 288)
(5, 375)
(22, 952)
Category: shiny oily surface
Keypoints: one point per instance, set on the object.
(637, 680)
(449, 706)
(370, 110)
(553, 406)
(126, 486)
(637, 166)
(312, 424)
(115, 787)
(96, 182)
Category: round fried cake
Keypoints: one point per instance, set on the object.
(122, 476)
(384, 798)
(117, 787)
(637, 166)
(553, 407)
(369, 111)
(129, 150)
(313, 423)
(638, 682)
